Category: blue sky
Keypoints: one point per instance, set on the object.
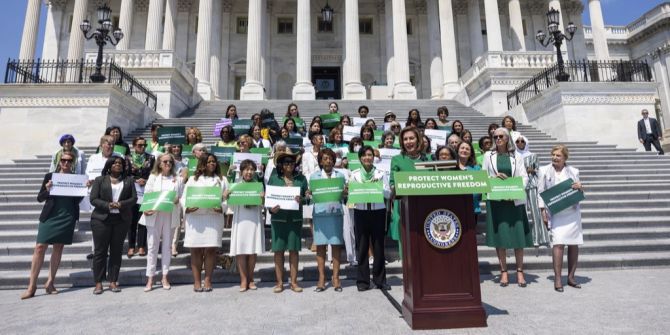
(616, 12)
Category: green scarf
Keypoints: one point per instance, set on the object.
(138, 160)
(367, 176)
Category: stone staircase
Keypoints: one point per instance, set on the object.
(626, 216)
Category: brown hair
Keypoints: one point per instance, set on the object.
(418, 138)
(563, 149)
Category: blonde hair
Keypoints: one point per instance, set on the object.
(157, 166)
(563, 149)
(107, 138)
(246, 138)
(198, 134)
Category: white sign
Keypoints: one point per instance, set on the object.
(69, 185)
(238, 157)
(384, 165)
(385, 153)
(284, 196)
(387, 126)
(140, 193)
(359, 121)
(94, 166)
(349, 132)
(437, 137)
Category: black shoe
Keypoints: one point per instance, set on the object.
(319, 289)
(338, 289)
(575, 285)
(384, 287)
(558, 289)
(89, 257)
(363, 288)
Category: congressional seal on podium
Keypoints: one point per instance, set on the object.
(442, 228)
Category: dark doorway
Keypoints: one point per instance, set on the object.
(327, 83)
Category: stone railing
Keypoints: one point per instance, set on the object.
(611, 32)
(130, 59)
(508, 60)
(650, 17)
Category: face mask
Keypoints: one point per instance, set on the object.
(357, 148)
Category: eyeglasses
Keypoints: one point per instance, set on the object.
(520, 141)
(167, 162)
(66, 160)
(499, 137)
(288, 163)
(141, 145)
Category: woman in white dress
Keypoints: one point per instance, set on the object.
(247, 237)
(204, 227)
(565, 226)
(161, 224)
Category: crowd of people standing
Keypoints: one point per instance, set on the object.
(120, 174)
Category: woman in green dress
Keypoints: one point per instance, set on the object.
(287, 224)
(56, 227)
(411, 151)
(506, 221)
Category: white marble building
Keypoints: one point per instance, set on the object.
(473, 51)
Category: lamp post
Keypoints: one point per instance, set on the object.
(556, 37)
(101, 36)
(327, 13)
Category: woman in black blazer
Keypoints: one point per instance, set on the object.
(57, 222)
(113, 197)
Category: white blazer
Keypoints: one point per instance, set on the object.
(378, 175)
(154, 183)
(490, 164)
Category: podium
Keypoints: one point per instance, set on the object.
(441, 283)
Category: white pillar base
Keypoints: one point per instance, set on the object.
(304, 91)
(354, 91)
(205, 91)
(450, 90)
(404, 91)
(252, 91)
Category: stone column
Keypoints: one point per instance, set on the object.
(493, 34)
(449, 50)
(598, 30)
(30, 28)
(253, 89)
(215, 56)
(661, 74)
(126, 23)
(353, 89)
(52, 30)
(203, 49)
(435, 55)
(402, 88)
(75, 50)
(516, 23)
(170, 29)
(303, 89)
(476, 38)
(224, 92)
(153, 37)
(388, 32)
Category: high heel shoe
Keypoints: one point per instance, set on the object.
(503, 283)
(558, 289)
(575, 285)
(523, 283)
(50, 289)
(29, 293)
(166, 284)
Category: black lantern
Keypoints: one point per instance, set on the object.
(556, 38)
(327, 13)
(101, 36)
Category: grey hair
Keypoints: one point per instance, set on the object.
(511, 147)
(199, 146)
(278, 144)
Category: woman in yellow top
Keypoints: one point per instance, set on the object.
(227, 135)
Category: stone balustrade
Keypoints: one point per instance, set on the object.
(146, 59)
(508, 60)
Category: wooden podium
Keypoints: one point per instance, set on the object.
(441, 286)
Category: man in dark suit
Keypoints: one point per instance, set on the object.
(649, 132)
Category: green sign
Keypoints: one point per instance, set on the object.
(223, 154)
(353, 161)
(330, 120)
(299, 122)
(119, 149)
(263, 151)
(241, 127)
(192, 165)
(561, 196)
(246, 193)
(326, 190)
(373, 144)
(440, 182)
(507, 189)
(172, 135)
(203, 197)
(158, 201)
(363, 193)
(378, 135)
(447, 128)
(187, 150)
